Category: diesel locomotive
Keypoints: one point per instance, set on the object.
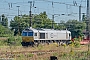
(30, 36)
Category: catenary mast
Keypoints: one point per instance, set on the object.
(88, 20)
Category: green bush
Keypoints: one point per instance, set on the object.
(3, 43)
(5, 32)
(18, 40)
(77, 44)
(88, 53)
(11, 41)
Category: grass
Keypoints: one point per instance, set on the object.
(62, 54)
(3, 38)
(71, 52)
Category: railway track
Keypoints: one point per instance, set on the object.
(27, 52)
(14, 54)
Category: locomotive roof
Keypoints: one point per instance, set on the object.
(27, 29)
(50, 30)
(46, 30)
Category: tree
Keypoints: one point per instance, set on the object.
(38, 21)
(42, 21)
(4, 31)
(19, 23)
(4, 20)
(61, 25)
(75, 27)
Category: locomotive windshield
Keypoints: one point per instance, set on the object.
(30, 33)
(24, 33)
(27, 33)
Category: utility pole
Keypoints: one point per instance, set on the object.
(52, 21)
(80, 13)
(18, 21)
(88, 20)
(30, 13)
(18, 10)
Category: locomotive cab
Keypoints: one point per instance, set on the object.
(27, 37)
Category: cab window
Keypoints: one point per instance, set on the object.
(35, 34)
(30, 33)
(24, 34)
(69, 34)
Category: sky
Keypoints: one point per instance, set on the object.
(52, 7)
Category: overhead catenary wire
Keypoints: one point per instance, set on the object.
(75, 3)
(40, 0)
(38, 9)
